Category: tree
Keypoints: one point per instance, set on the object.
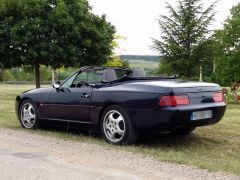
(228, 56)
(54, 33)
(115, 59)
(184, 31)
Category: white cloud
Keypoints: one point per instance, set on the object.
(137, 20)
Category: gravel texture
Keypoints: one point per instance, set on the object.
(27, 156)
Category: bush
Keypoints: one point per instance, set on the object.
(8, 76)
(232, 96)
(22, 75)
(45, 73)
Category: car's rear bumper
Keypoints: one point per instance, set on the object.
(170, 118)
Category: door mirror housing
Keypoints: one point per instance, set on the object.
(56, 86)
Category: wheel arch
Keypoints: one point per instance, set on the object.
(130, 135)
(104, 108)
(31, 102)
(22, 100)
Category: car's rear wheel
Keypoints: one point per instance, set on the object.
(183, 130)
(116, 126)
(28, 116)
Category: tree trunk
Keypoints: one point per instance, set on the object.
(54, 75)
(214, 66)
(1, 74)
(37, 75)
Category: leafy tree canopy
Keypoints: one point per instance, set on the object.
(115, 59)
(52, 33)
(228, 54)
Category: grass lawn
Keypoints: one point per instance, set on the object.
(216, 148)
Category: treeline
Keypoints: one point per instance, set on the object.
(140, 57)
(27, 74)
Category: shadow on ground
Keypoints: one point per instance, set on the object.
(153, 140)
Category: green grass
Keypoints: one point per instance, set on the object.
(216, 148)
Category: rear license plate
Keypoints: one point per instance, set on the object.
(201, 115)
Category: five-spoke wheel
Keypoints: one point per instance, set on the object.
(116, 126)
(28, 115)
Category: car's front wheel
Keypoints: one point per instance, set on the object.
(116, 126)
(28, 116)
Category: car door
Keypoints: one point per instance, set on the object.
(71, 101)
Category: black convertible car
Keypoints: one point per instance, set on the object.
(121, 103)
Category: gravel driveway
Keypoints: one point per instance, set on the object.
(24, 155)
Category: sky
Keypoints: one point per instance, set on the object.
(136, 20)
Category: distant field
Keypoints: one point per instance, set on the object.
(143, 64)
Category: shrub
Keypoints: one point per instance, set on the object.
(8, 76)
(232, 95)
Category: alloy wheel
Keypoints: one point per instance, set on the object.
(114, 126)
(28, 115)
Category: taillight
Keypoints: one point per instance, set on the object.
(174, 100)
(218, 97)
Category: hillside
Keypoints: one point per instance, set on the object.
(140, 57)
(147, 62)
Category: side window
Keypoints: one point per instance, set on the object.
(91, 76)
(95, 76)
(81, 77)
(69, 82)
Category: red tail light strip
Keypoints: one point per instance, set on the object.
(174, 100)
(218, 97)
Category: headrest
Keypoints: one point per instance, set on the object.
(138, 72)
(109, 75)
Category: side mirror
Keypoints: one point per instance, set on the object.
(56, 86)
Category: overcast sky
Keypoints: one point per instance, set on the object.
(136, 20)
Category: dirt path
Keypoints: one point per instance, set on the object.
(24, 155)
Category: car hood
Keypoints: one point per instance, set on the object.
(40, 90)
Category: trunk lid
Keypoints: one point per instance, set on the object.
(198, 92)
(179, 86)
(195, 87)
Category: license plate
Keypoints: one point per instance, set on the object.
(201, 115)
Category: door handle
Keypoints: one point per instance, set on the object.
(85, 95)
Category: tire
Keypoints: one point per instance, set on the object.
(183, 131)
(116, 126)
(28, 115)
